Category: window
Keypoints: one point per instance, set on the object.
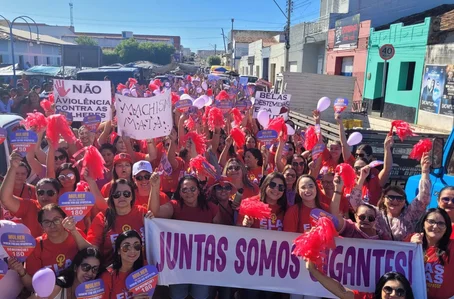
(21, 61)
(48, 60)
(35, 60)
(406, 76)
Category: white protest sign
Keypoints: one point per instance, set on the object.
(276, 104)
(83, 98)
(144, 118)
(221, 255)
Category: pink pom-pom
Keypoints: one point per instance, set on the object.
(153, 87)
(198, 140)
(120, 87)
(190, 123)
(347, 174)
(35, 120)
(254, 208)
(175, 98)
(93, 162)
(223, 96)
(403, 129)
(209, 92)
(278, 124)
(46, 105)
(201, 165)
(238, 137)
(51, 98)
(313, 244)
(189, 78)
(82, 186)
(56, 126)
(132, 82)
(237, 116)
(205, 115)
(311, 138)
(215, 119)
(420, 148)
(157, 82)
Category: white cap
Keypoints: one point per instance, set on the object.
(141, 166)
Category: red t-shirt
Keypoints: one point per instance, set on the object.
(250, 192)
(255, 175)
(344, 205)
(54, 256)
(114, 285)
(362, 295)
(439, 277)
(105, 190)
(134, 220)
(328, 162)
(297, 219)
(28, 212)
(143, 200)
(276, 221)
(452, 234)
(194, 214)
(27, 192)
(169, 183)
(139, 156)
(372, 189)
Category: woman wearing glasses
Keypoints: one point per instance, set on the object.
(127, 258)
(56, 248)
(85, 266)
(446, 202)
(68, 176)
(122, 169)
(433, 232)
(395, 216)
(141, 173)
(390, 285)
(121, 215)
(219, 194)
(237, 174)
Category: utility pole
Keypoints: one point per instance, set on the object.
(287, 35)
(215, 53)
(233, 49)
(71, 5)
(223, 38)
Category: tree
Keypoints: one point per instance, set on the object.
(131, 50)
(85, 40)
(214, 60)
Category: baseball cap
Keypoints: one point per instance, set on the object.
(122, 157)
(141, 166)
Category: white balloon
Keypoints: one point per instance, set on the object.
(185, 96)
(199, 90)
(290, 130)
(264, 118)
(209, 102)
(354, 138)
(204, 85)
(323, 104)
(199, 102)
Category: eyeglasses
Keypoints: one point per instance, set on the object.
(68, 177)
(48, 192)
(227, 188)
(447, 200)
(49, 223)
(61, 158)
(87, 268)
(398, 198)
(440, 224)
(360, 155)
(233, 168)
(389, 290)
(141, 178)
(127, 247)
(280, 187)
(363, 217)
(296, 164)
(126, 194)
(187, 190)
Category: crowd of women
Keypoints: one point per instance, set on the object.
(108, 242)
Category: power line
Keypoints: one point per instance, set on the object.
(285, 15)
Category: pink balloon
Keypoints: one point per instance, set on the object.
(354, 138)
(323, 104)
(43, 282)
(264, 118)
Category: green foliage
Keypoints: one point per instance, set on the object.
(85, 40)
(131, 50)
(214, 60)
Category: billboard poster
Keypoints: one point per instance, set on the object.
(432, 88)
(447, 102)
(346, 32)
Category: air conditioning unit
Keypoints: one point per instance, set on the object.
(126, 34)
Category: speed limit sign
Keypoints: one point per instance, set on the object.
(387, 52)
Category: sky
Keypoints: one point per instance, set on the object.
(197, 22)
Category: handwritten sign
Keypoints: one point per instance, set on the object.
(22, 140)
(143, 280)
(77, 204)
(93, 289)
(91, 122)
(18, 245)
(144, 118)
(317, 213)
(267, 136)
(276, 104)
(83, 98)
(3, 268)
(3, 134)
(340, 104)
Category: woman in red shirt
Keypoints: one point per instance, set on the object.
(237, 173)
(254, 161)
(390, 285)
(446, 202)
(122, 169)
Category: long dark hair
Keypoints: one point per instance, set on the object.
(246, 182)
(66, 278)
(202, 202)
(367, 163)
(116, 264)
(282, 202)
(63, 152)
(442, 245)
(69, 166)
(381, 203)
(290, 161)
(54, 182)
(393, 276)
(257, 155)
(298, 199)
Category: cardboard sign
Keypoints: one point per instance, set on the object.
(143, 280)
(68, 115)
(18, 245)
(77, 204)
(183, 105)
(340, 104)
(3, 134)
(317, 150)
(93, 289)
(267, 136)
(317, 213)
(3, 268)
(22, 141)
(276, 104)
(91, 122)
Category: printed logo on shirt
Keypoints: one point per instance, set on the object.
(60, 260)
(123, 295)
(126, 227)
(271, 224)
(60, 266)
(434, 275)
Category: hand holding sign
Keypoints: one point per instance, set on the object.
(22, 141)
(76, 204)
(143, 281)
(93, 289)
(340, 104)
(18, 245)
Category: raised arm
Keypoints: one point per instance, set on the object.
(172, 150)
(39, 153)
(278, 157)
(100, 201)
(104, 137)
(32, 159)
(356, 195)
(419, 204)
(154, 205)
(8, 200)
(329, 283)
(69, 223)
(224, 157)
(384, 174)
(343, 139)
(335, 201)
(50, 161)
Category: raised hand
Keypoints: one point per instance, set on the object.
(69, 223)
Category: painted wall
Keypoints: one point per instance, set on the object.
(359, 55)
(277, 61)
(410, 44)
(22, 48)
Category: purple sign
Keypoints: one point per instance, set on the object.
(340, 104)
(93, 289)
(92, 122)
(183, 105)
(77, 204)
(22, 141)
(317, 213)
(243, 105)
(225, 106)
(317, 150)
(267, 136)
(18, 245)
(68, 115)
(143, 281)
(3, 268)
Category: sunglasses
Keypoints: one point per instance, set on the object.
(360, 155)
(440, 224)
(364, 217)
(234, 168)
(144, 177)
(87, 268)
(48, 192)
(399, 198)
(187, 190)
(127, 247)
(447, 200)
(61, 158)
(68, 177)
(273, 186)
(296, 164)
(389, 290)
(227, 188)
(126, 194)
(49, 223)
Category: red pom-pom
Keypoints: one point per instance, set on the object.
(347, 174)
(35, 120)
(254, 208)
(120, 87)
(152, 87)
(313, 244)
(186, 91)
(311, 138)
(420, 148)
(94, 162)
(157, 82)
(175, 98)
(238, 136)
(51, 98)
(189, 78)
(46, 105)
(403, 129)
(237, 116)
(223, 96)
(199, 142)
(190, 123)
(201, 165)
(82, 186)
(56, 126)
(132, 82)
(209, 92)
(205, 115)
(278, 124)
(215, 119)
